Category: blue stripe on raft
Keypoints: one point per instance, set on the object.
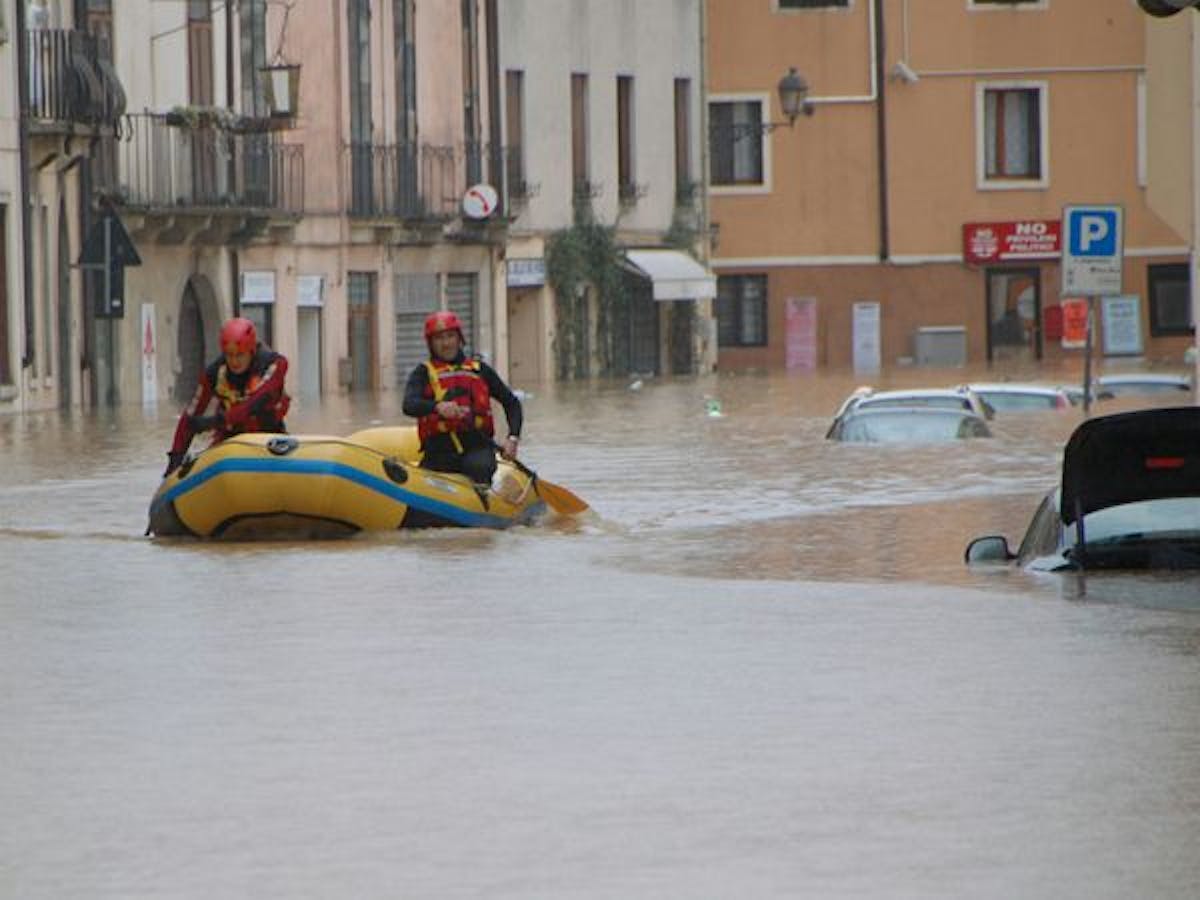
(450, 511)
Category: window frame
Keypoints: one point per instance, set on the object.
(627, 187)
(581, 162)
(741, 279)
(516, 174)
(983, 181)
(685, 180)
(763, 99)
(1156, 274)
(200, 53)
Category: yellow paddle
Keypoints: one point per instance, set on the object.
(557, 497)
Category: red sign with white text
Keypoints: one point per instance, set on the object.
(990, 242)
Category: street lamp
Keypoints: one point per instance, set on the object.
(281, 81)
(793, 100)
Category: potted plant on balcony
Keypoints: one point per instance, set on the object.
(201, 117)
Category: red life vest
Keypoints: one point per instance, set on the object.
(270, 416)
(460, 383)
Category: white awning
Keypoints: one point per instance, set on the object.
(674, 274)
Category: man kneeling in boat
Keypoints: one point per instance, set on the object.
(247, 382)
(450, 397)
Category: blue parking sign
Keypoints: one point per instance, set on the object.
(1093, 232)
(1093, 251)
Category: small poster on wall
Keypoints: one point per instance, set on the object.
(800, 351)
(867, 350)
(1122, 318)
(149, 356)
(1074, 323)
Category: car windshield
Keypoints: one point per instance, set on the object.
(932, 401)
(1149, 519)
(1011, 400)
(898, 428)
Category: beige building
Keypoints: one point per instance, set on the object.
(335, 229)
(1173, 145)
(917, 214)
(60, 99)
(602, 124)
(426, 158)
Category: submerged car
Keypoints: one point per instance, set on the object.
(900, 424)
(959, 398)
(1142, 383)
(1014, 396)
(1129, 499)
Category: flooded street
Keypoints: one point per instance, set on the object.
(760, 669)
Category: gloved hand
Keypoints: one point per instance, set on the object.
(207, 423)
(174, 461)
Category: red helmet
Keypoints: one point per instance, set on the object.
(238, 336)
(442, 321)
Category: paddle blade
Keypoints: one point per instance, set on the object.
(558, 498)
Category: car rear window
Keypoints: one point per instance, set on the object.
(1014, 401)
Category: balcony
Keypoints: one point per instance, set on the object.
(408, 182)
(206, 183)
(71, 84)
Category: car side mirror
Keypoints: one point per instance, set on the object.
(990, 549)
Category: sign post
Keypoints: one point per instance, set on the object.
(108, 248)
(1093, 257)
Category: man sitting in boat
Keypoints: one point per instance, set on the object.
(450, 397)
(247, 383)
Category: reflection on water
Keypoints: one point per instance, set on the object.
(759, 668)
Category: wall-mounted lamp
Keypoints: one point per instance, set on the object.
(793, 100)
(281, 83)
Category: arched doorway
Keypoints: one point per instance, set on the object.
(197, 308)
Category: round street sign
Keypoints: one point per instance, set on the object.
(479, 201)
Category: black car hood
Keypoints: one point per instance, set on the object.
(1145, 455)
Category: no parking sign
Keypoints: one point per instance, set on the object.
(1093, 251)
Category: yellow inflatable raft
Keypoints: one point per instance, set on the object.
(306, 486)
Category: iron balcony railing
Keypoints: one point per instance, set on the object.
(422, 182)
(163, 166)
(69, 79)
(404, 181)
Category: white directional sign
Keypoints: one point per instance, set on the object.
(1093, 251)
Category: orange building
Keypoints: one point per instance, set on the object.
(917, 214)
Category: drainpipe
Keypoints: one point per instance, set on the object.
(1194, 259)
(881, 132)
(21, 37)
(230, 95)
(493, 75)
(498, 249)
(709, 338)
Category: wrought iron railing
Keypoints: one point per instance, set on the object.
(69, 80)
(404, 181)
(168, 166)
(426, 182)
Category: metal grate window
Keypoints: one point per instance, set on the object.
(462, 292)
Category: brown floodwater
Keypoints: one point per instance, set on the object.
(757, 668)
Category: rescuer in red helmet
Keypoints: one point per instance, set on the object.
(450, 397)
(246, 383)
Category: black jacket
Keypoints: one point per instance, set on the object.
(417, 405)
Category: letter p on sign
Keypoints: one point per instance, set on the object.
(1094, 233)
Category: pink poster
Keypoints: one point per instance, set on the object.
(800, 333)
